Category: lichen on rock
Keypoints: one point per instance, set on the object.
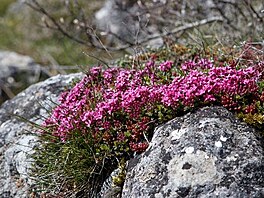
(208, 153)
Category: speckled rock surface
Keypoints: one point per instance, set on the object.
(117, 16)
(18, 72)
(205, 154)
(16, 136)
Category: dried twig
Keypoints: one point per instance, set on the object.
(148, 14)
(37, 7)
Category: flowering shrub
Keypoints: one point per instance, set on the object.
(112, 113)
(117, 106)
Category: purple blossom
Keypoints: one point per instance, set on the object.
(165, 66)
(112, 99)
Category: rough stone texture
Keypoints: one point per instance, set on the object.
(17, 72)
(17, 137)
(116, 17)
(205, 154)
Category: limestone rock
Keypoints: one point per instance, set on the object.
(17, 137)
(118, 17)
(208, 153)
(18, 72)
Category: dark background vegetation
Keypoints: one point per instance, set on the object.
(21, 31)
(25, 31)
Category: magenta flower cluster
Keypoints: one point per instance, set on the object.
(118, 106)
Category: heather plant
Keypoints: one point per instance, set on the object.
(110, 115)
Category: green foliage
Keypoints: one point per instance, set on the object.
(180, 53)
(121, 176)
(24, 33)
(55, 161)
(4, 5)
(255, 116)
(255, 119)
(43, 49)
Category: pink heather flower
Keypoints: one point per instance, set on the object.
(188, 65)
(121, 137)
(109, 75)
(165, 66)
(205, 63)
(105, 100)
(106, 125)
(97, 114)
(150, 64)
(201, 64)
(209, 98)
(122, 80)
(87, 118)
(95, 71)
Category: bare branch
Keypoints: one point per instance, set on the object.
(95, 57)
(147, 21)
(185, 27)
(37, 7)
(249, 6)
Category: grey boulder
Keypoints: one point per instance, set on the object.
(18, 138)
(117, 19)
(208, 153)
(18, 72)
